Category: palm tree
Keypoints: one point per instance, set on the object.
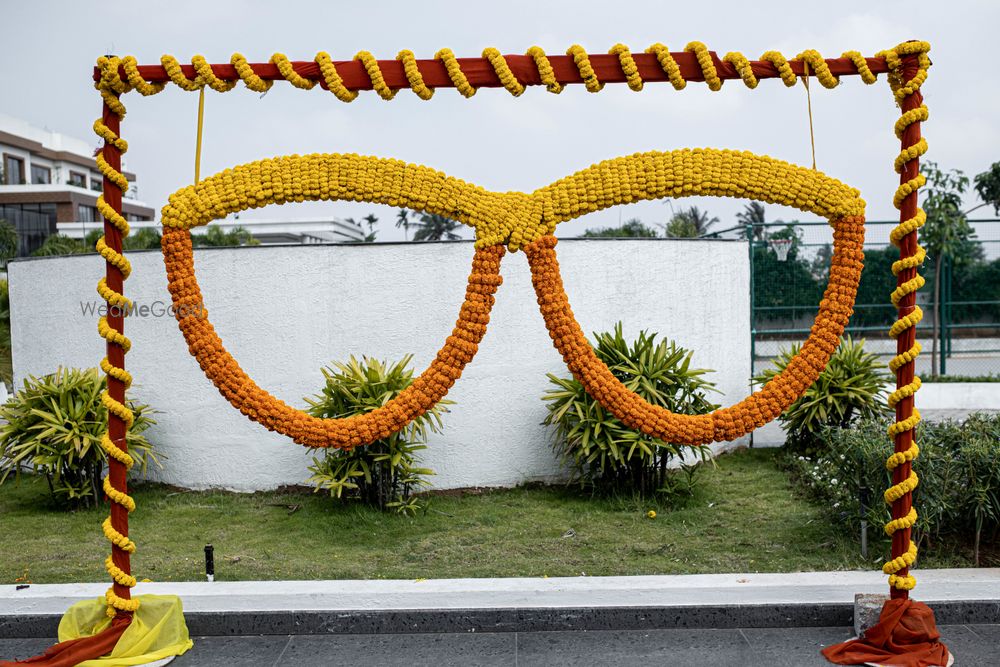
(403, 220)
(690, 222)
(752, 216)
(434, 227)
(371, 220)
(430, 227)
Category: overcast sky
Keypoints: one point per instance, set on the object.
(494, 140)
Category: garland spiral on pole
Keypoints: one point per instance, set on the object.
(110, 327)
(521, 220)
(905, 79)
(708, 64)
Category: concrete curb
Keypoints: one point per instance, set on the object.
(363, 621)
(520, 605)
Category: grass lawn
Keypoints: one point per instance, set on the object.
(744, 518)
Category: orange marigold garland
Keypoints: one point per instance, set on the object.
(725, 423)
(516, 220)
(244, 394)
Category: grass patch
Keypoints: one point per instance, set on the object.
(745, 517)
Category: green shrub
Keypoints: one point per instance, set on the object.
(383, 474)
(6, 367)
(60, 244)
(5, 310)
(53, 426)
(605, 454)
(851, 387)
(9, 241)
(958, 466)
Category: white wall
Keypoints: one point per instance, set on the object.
(966, 396)
(284, 311)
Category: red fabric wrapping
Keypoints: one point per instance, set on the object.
(905, 636)
(75, 651)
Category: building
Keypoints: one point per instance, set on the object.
(266, 230)
(49, 183)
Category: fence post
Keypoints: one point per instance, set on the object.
(946, 316)
(753, 324)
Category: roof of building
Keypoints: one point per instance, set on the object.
(48, 144)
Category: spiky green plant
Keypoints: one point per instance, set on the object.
(604, 453)
(53, 426)
(851, 387)
(385, 473)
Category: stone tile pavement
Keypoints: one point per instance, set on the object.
(748, 647)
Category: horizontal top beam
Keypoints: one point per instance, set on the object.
(481, 74)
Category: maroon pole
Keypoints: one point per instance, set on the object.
(117, 471)
(904, 374)
(480, 72)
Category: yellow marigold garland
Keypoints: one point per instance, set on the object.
(901, 89)
(139, 84)
(176, 74)
(668, 65)
(629, 67)
(860, 64)
(205, 76)
(111, 86)
(379, 85)
(249, 77)
(743, 67)
(582, 61)
(208, 77)
(706, 63)
(817, 65)
(781, 64)
(503, 71)
(544, 68)
(413, 75)
(518, 220)
(544, 212)
(334, 83)
(284, 66)
(458, 78)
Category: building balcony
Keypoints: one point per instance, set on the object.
(62, 188)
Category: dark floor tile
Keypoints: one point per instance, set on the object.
(231, 651)
(799, 640)
(19, 649)
(971, 648)
(989, 632)
(411, 650)
(783, 658)
(631, 647)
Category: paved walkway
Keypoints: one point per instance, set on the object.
(689, 591)
(712, 620)
(749, 647)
